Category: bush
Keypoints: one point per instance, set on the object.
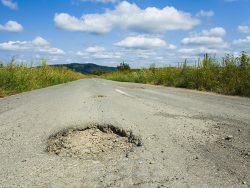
(123, 67)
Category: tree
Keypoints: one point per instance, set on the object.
(123, 67)
(99, 72)
(244, 60)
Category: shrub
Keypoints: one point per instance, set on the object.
(123, 67)
(230, 76)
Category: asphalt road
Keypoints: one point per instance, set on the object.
(190, 138)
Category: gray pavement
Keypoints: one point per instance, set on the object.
(190, 138)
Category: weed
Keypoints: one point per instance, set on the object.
(17, 78)
(231, 76)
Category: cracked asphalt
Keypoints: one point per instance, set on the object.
(189, 138)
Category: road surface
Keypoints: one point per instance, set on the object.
(189, 138)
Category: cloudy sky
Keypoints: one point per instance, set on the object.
(107, 32)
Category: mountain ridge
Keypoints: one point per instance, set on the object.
(87, 68)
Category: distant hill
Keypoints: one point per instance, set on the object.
(88, 68)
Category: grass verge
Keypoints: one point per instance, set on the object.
(230, 76)
(15, 78)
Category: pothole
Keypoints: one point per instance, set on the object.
(93, 142)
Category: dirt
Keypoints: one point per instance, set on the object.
(96, 142)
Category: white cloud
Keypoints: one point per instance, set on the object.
(40, 41)
(38, 44)
(141, 42)
(129, 16)
(207, 41)
(11, 26)
(98, 52)
(10, 4)
(204, 13)
(215, 32)
(244, 29)
(107, 55)
(52, 51)
(171, 46)
(94, 49)
(202, 40)
(80, 53)
(209, 38)
(92, 23)
(242, 42)
(14, 45)
(196, 51)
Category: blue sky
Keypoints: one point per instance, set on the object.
(107, 32)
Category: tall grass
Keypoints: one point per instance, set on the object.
(230, 76)
(16, 78)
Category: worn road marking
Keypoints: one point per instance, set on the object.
(154, 92)
(123, 93)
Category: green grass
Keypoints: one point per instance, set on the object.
(15, 78)
(230, 76)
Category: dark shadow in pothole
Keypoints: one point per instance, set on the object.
(96, 142)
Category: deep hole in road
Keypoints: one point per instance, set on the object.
(93, 142)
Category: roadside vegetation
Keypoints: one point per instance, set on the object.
(17, 78)
(230, 76)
